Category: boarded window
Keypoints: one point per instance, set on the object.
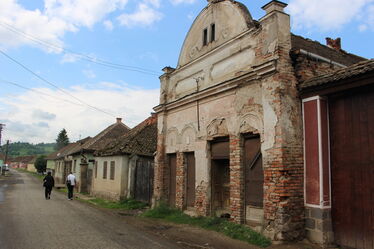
(205, 37)
(112, 170)
(96, 169)
(75, 165)
(105, 169)
(212, 32)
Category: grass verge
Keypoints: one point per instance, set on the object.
(128, 204)
(230, 229)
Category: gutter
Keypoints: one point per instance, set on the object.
(318, 57)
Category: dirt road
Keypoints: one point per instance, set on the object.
(28, 221)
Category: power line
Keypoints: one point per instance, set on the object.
(39, 92)
(50, 83)
(79, 55)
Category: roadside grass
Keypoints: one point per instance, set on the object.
(127, 204)
(220, 225)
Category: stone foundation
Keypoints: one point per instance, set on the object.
(318, 226)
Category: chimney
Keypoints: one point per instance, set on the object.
(274, 6)
(335, 44)
(119, 120)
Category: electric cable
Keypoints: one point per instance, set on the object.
(51, 84)
(79, 55)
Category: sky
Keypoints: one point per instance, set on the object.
(79, 64)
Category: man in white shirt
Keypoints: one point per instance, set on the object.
(70, 182)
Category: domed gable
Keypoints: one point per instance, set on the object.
(217, 23)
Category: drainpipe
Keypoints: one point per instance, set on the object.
(318, 57)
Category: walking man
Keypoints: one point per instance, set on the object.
(70, 182)
(48, 183)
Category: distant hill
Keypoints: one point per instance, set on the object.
(26, 149)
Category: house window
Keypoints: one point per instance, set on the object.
(105, 169)
(112, 170)
(212, 32)
(205, 37)
(95, 169)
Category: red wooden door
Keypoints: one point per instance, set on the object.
(190, 195)
(173, 179)
(352, 168)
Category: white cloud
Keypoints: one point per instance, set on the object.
(133, 105)
(326, 16)
(176, 2)
(369, 20)
(143, 16)
(108, 25)
(89, 73)
(69, 58)
(51, 23)
(82, 12)
(155, 3)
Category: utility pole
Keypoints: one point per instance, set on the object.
(6, 155)
(1, 129)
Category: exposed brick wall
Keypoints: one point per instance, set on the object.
(160, 173)
(283, 162)
(237, 197)
(306, 68)
(202, 202)
(181, 181)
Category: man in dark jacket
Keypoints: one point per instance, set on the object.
(48, 184)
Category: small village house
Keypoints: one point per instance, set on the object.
(124, 168)
(82, 156)
(31, 165)
(63, 163)
(230, 127)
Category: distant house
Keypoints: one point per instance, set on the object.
(51, 164)
(2, 158)
(82, 158)
(124, 168)
(20, 162)
(31, 165)
(62, 162)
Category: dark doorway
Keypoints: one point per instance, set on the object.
(220, 170)
(190, 195)
(172, 161)
(352, 168)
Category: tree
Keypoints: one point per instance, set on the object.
(62, 139)
(40, 164)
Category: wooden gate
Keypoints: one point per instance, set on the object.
(220, 171)
(254, 173)
(144, 179)
(172, 179)
(190, 195)
(352, 168)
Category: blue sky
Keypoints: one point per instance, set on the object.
(65, 41)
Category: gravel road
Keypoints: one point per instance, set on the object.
(28, 221)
